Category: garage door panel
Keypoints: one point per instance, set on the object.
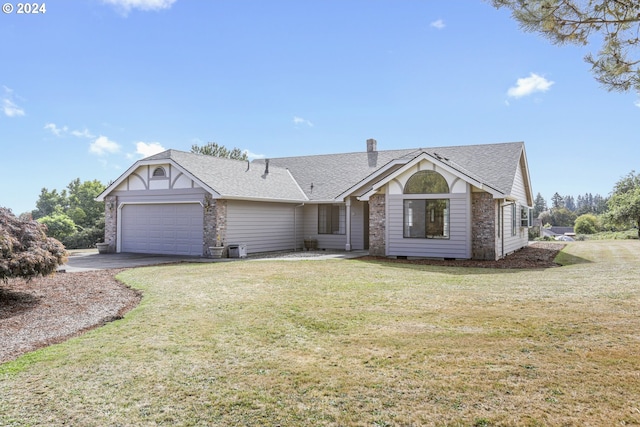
(163, 229)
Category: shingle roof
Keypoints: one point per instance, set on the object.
(236, 178)
(324, 177)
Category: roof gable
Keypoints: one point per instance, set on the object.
(444, 164)
(226, 178)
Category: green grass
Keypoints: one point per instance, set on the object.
(609, 235)
(351, 343)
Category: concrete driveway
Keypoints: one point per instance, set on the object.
(92, 260)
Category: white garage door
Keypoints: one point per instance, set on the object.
(174, 229)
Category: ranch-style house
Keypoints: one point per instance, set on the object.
(459, 202)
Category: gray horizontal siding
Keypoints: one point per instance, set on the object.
(456, 246)
(357, 225)
(325, 241)
(513, 243)
(262, 227)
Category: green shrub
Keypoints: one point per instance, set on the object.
(58, 225)
(615, 235)
(84, 239)
(586, 224)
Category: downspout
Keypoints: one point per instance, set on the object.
(295, 228)
(502, 231)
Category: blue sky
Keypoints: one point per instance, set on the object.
(89, 87)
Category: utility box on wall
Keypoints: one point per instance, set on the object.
(238, 250)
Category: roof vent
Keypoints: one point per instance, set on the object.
(372, 145)
(266, 166)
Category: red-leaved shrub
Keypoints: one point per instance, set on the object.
(25, 249)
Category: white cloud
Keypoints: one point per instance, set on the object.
(125, 6)
(102, 145)
(529, 85)
(55, 129)
(439, 24)
(146, 149)
(9, 107)
(637, 103)
(61, 131)
(301, 121)
(84, 133)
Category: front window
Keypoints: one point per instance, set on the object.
(426, 218)
(331, 219)
(526, 216)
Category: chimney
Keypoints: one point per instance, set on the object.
(372, 145)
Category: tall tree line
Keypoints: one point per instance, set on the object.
(564, 210)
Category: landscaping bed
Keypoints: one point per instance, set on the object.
(536, 255)
(48, 310)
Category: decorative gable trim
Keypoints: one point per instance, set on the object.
(439, 162)
(131, 172)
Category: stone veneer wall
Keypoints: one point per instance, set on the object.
(215, 222)
(110, 222)
(483, 226)
(377, 223)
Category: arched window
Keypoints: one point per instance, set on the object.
(426, 217)
(426, 182)
(159, 173)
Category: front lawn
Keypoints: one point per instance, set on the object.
(351, 343)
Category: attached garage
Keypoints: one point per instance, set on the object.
(172, 229)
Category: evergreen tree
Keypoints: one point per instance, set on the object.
(539, 205)
(569, 203)
(216, 150)
(616, 24)
(600, 204)
(557, 201)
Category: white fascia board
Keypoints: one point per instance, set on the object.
(366, 196)
(426, 156)
(117, 182)
(139, 163)
(372, 176)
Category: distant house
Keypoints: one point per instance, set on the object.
(456, 202)
(555, 231)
